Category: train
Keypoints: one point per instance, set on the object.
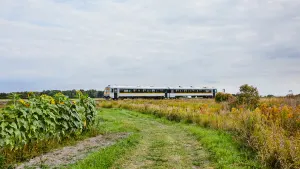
(126, 92)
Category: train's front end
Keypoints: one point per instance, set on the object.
(107, 92)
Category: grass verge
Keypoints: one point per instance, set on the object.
(106, 157)
(223, 149)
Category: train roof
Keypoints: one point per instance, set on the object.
(154, 87)
(137, 87)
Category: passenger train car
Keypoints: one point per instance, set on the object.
(116, 92)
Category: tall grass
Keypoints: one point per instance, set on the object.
(272, 129)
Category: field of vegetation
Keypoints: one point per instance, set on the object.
(159, 143)
(33, 126)
(241, 131)
(271, 127)
(149, 142)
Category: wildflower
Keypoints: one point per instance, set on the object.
(22, 101)
(290, 115)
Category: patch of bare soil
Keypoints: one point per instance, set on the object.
(3, 103)
(71, 154)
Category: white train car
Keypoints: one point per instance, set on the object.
(192, 92)
(116, 92)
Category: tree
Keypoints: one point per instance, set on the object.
(248, 97)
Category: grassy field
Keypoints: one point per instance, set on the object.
(190, 133)
(272, 129)
(159, 143)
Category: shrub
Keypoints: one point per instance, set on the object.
(248, 97)
(222, 97)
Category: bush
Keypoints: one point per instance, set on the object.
(248, 97)
(222, 97)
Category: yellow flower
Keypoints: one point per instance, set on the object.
(22, 101)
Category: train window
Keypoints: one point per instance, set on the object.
(121, 90)
(111, 90)
(125, 90)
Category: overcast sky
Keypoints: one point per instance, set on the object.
(88, 44)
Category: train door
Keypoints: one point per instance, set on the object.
(214, 93)
(115, 93)
(167, 93)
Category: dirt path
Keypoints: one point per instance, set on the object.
(162, 146)
(71, 154)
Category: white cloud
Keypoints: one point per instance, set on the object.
(89, 44)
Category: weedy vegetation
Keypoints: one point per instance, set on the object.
(270, 127)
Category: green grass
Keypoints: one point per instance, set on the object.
(106, 157)
(159, 143)
(224, 150)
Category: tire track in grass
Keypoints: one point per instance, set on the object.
(163, 146)
(159, 143)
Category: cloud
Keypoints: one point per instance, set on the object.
(63, 44)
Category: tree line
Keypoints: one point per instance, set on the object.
(70, 93)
